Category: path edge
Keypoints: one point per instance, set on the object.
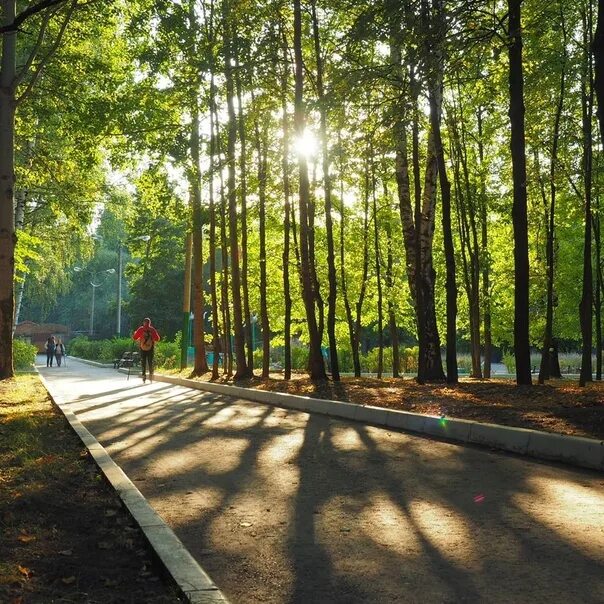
(191, 580)
(573, 450)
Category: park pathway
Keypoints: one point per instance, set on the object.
(283, 507)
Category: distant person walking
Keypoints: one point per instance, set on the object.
(50, 347)
(59, 351)
(146, 336)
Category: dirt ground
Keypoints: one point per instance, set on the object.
(560, 406)
(64, 536)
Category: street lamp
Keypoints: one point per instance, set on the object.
(93, 276)
(120, 267)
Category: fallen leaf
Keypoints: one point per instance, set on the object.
(26, 538)
(26, 572)
(245, 524)
(110, 513)
(68, 580)
(17, 600)
(66, 552)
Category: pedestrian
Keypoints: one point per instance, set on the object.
(59, 351)
(146, 336)
(50, 350)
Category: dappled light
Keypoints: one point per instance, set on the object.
(310, 504)
(573, 511)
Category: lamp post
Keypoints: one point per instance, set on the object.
(93, 276)
(120, 271)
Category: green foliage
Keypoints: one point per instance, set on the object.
(509, 360)
(300, 358)
(167, 354)
(24, 354)
(409, 357)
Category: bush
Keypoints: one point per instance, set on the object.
(409, 357)
(464, 362)
(167, 354)
(24, 354)
(509, 360)
(300, 358)
(369, 362)
(345, 363)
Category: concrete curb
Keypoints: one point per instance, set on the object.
(574, 450)
(192, 581)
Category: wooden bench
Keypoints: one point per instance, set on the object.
(129, 359)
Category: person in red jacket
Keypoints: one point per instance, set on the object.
(146, 336)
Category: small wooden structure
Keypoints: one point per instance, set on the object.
(38, 333)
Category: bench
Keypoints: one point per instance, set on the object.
(129, 359)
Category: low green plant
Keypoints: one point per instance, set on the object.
(409, 357)
(300, 357)
(24, 354)
(464, 363)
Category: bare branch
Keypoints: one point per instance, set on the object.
(28, 12)
(44, 60)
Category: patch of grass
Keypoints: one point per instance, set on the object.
(63, 534)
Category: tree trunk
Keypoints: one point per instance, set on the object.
(484, 255)
(587, 93)
(213, 283)
(186, 303)
(8, 239)
(430, 363)
(316, 364)
(378, 272)
(435, 97)
(242, 372)
(243, 192)
(467, 234)
(262, 152)
(287, 299)
(331, 263)
(548, 336)
(519, 208)
(201, 363)
(396, 361)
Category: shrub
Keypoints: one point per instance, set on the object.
(167, 354)
(409, 357)
(345, 360)
(24, 354)
(464, 362)
(509, 360)
(369, 362)
(300, 357)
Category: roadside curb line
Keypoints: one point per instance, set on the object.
(573, 450)
(191, 580)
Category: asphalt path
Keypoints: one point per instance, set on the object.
(282, 506)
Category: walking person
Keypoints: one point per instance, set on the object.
(59, 351)
(50, 347)
(146, 336)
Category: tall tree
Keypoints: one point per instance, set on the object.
(316, 364)
(519, 208)
(243, 371)
(31, 67)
